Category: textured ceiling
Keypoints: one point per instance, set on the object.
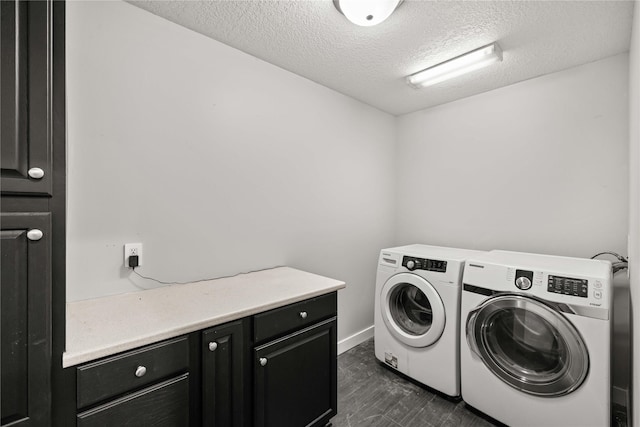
(312, 39)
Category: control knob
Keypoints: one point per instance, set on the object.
(523, 283)
(411, 264)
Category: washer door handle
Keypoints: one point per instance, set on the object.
(469, 327)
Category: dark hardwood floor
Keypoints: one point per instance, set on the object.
(369, 394)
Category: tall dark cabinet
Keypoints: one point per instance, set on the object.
(24, 327)
(32, 184)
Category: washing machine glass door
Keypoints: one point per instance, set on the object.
(412, 310)
(528, 345)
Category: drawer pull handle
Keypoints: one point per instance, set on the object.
(140, 371)
(303, 314)
(34, 234)
(35, 173)
(263, 361)
(213, 346)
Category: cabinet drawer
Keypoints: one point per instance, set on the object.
(165, 404)
(295, 316)
(110, 377)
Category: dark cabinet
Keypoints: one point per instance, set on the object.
(295, 376)
(32, 218)
(25, 321)
(25, 94)
(277, 368)
(142, 387)
(280, 321)
(223, 370)
(163, 405)
(130, 371)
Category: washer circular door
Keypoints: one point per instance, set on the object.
(529, 345)
(412, 310)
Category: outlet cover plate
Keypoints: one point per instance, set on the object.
(132, 249)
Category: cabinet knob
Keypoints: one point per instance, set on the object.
(263, 361)
(303, 314)
(140, 371)
(34, 234)
(35, 173)
(213, 346)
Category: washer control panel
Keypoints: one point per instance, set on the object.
(413, 263)
(570, 286)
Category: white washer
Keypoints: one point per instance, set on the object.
(417, 315)
(535, 339)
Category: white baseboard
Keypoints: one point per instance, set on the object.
(620, 396)
(355, 339)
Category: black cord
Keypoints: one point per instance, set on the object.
(620, 257)
(204, 280)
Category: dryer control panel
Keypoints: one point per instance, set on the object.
(413, 263)
(543, 283)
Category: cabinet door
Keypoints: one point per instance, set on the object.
(296, 378)
(25, 113)
(222, 371)
(25, 319)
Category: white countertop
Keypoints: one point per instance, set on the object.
(104, 326)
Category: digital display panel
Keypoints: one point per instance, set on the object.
(436, 265)
(568, 286)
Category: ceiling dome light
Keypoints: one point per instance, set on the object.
(366, 12)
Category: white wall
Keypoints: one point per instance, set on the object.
(217, 162)
(539, 166)
(634, 207)
(221, 163)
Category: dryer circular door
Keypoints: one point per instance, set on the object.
(528, 344)
(412, 310)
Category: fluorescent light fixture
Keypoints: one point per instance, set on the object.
(457, 66)
(366, 13)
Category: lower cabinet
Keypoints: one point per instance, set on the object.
(295, 379)
(295, 364)
(143, 387)
(164, 404)
(275, 369)
(223, 375)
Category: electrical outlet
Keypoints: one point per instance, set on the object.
(132, 249)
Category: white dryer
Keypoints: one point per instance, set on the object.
(417, 315)
(535, 339)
